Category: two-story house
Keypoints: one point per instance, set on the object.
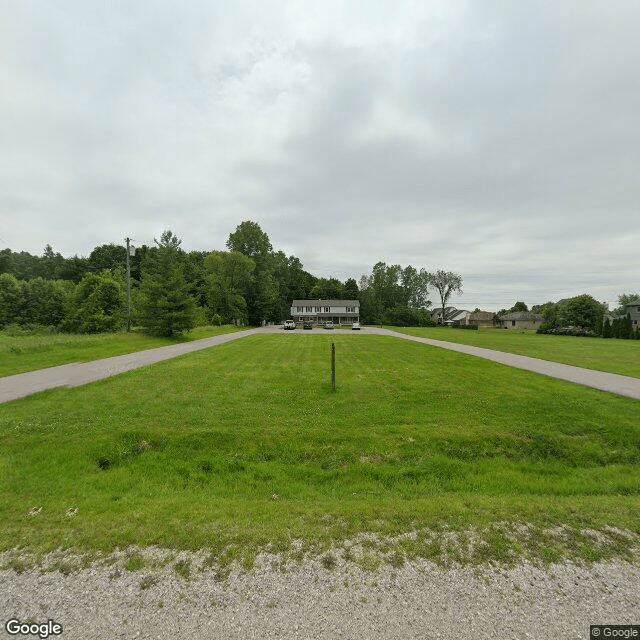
(319, 311)
(633, 309)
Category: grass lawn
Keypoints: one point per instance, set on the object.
(21, 353)
(614, 356)
(245, 447)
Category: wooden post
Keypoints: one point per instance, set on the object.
(333, 366)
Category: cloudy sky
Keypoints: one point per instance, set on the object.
(500, 140)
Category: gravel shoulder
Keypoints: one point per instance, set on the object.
(418, 600)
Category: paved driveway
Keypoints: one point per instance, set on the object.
(75, 375)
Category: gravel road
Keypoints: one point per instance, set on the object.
(309, 601)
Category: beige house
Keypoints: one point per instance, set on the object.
(319, 311)
(482, 318)
(521, 320)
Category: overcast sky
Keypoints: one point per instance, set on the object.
(499, 140)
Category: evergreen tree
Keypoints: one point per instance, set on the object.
(606, 328)
(166, 308)
(629, 327)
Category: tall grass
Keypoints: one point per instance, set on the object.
(246, 444)
(28, 351)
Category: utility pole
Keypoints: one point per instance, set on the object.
(128, 287)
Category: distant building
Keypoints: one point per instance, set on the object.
(521, 320)
(319, 311)
(482, 318)
(633, 309)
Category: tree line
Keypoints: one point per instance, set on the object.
(584, 316)
(173, 290)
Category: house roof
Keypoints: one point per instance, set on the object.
(635, 303)
(522, 315)
(325, 303)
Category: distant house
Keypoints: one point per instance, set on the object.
(451, 315)
(482, 318)
(319, 311)
(633, 309)
(521, 320)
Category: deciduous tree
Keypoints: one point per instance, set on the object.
(446, 283)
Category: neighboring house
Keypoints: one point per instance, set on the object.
(448, 313)
(521, 320)
(451, 315)
(461, 316)
(633, 309)
(319, 311)
(482, 318)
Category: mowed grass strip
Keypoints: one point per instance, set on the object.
(611, 355)
(28, 352)
(246, 446)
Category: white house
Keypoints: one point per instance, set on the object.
(318, 311)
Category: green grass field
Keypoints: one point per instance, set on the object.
(614, 356)
(245, 447)
(21, 353)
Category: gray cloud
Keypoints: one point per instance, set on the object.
(498, 141)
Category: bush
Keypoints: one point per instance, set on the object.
(97, 305)
(407, 317)
(567, 331)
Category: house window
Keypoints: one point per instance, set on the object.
(351, 309)
(318, 309)
(308, 309)
(327, 309)
(513, 323)
(299, 309)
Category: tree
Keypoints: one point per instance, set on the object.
(327, 289)
(351, 291)
(251, 240)
(582, 311)
(107, 256)
(46, 302)
(292, 280)
(229, 278)
(166, 308)
(97, 305)
(50, 263)
(446, 283)
(623, 300)
(517, 307)
(10, 299)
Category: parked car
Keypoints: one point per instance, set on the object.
(355, 326)
(307, 325)
(328, 324)
(289, 324)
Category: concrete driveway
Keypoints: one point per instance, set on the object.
(75, 375)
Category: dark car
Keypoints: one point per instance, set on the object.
(307, 325)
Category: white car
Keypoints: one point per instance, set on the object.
(355, 326)
(289, 324)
